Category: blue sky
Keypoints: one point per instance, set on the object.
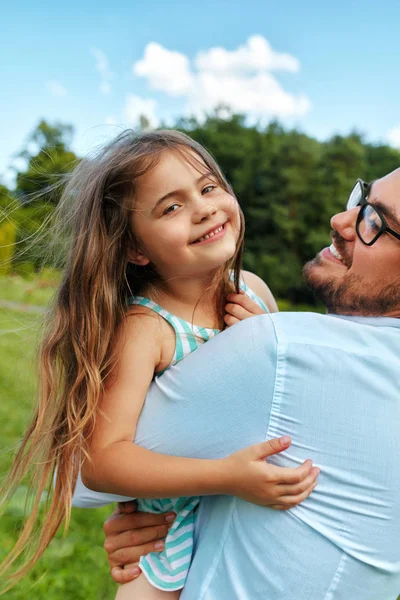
(322, 67)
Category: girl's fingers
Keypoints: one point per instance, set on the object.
(287, 475)
(298, 488)
(246, 302)
(229, 320)
(238, 311)
(287, 502)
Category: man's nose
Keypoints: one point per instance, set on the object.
(345, 223)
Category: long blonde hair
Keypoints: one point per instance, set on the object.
(76, 352)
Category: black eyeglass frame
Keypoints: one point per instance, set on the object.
(363, 203)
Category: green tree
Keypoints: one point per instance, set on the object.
(8, 229)
(49, 158)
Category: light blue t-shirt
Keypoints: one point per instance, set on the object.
(332, 383)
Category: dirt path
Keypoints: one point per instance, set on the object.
(27, 308)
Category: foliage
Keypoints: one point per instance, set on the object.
(8, 233)
(48, 163)
(288, 184)
(29, 210)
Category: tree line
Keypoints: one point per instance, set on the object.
(288, 185)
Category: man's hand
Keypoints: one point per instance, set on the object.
(239, 307)
(130, 535)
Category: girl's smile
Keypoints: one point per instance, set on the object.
(212, 235)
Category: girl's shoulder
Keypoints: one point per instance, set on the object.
(143, 323)
(260, 288)
(144, 320)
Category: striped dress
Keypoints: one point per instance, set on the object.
(167, 570)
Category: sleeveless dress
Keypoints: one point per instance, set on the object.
(167, 570)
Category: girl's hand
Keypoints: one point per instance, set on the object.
(240, 307)
(255, 480)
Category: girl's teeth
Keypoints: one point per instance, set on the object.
(205, 237)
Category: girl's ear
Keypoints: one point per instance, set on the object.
(137, 258)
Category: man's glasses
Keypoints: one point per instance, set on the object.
(371, 223)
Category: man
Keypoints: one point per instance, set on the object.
(329, 381)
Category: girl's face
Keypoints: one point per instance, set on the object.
(186, 224)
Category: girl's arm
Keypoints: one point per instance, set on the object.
(119, 466)
(116, 465)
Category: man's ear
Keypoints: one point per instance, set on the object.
(137, 258)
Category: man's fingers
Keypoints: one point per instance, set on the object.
(126, 507)
(298, 488)
(121, 575)
(127, 556)
(135, 537)
(119, 523)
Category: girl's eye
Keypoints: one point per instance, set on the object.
(208, 187)
(171, 209)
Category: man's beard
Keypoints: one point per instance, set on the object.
(352, 296)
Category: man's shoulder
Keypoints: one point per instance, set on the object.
(331, 331)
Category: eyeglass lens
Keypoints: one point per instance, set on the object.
(355, 197)
(369, 224)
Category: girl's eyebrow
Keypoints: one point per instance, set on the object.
(206, 175)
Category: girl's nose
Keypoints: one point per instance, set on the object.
(345, 223)
(204, 211)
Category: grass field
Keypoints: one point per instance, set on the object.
(75, 567)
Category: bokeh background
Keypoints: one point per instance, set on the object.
(294, 99)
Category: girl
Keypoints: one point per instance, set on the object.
(156, 245)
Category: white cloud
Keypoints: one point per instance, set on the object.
(258, 96)
(165, 70)
(256, 55)
(56, 88)
(110, 120)
(393, 137)
(241, 79)
(103, 67)
(136, 107)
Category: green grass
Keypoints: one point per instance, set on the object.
(75, 567)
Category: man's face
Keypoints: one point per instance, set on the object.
(365, 280)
